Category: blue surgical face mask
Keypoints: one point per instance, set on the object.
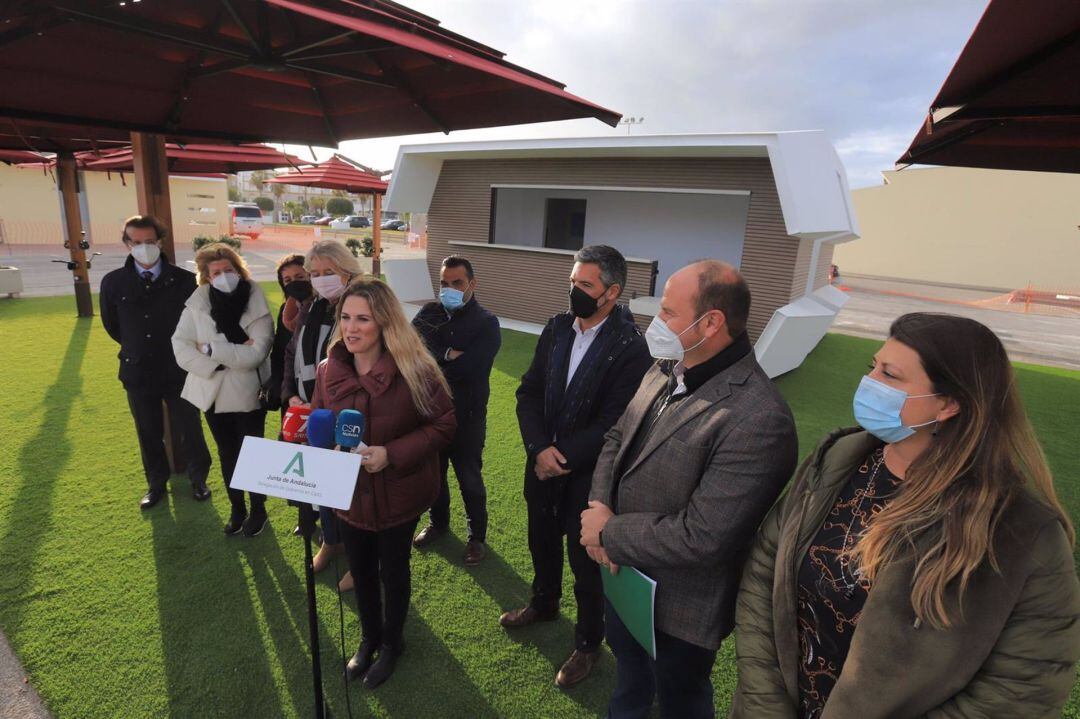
(877, 410)
(451, 299)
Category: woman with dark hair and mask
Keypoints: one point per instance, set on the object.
(296, 284)
(331, 267)
(223, 342)
(921, 564)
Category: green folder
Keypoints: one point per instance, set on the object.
(633, 595)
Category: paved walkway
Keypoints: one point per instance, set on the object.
(18, 700)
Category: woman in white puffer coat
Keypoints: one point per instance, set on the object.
(223, 342)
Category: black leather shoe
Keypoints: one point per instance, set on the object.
(151, 498)
(361, 661)
(235, 523)
(200, 492)
(383, 667)
(255, 521)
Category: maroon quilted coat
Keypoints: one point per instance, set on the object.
(409, 485)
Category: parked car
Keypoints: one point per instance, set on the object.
(358, 221)
(394, 225)
(245, 218)
(339, 223)
(324, 220)
(308, 219)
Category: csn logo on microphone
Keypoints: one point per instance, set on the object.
(352, 431)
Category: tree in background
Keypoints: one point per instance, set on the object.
(277, 190)
(234, 195)
(339, 206)
(317, 203)
(295, 210)
(266, 204)
(259, 178)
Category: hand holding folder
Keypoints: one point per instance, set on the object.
(633, 595)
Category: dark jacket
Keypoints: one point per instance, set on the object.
(291, 382)
(142, 317)
(1012, 654)
(474, 331)
(575, 419)
(282, 337)
(409, 485)
(689, 504)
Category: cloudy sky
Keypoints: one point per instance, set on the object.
(864, 71)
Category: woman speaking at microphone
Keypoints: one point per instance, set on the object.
(330, 268)
(223, 342)
(377, 364)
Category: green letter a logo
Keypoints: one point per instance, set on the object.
(297, 462)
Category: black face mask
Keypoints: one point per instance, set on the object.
(582, 304)
(299, 290)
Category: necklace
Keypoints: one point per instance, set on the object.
(849, 581)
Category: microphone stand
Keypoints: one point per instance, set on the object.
(307, 529)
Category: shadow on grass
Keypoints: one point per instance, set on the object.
(427, 681)
(40, 461)
(553, 640)
(211, 641)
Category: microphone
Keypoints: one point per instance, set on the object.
(294, 425)
(320, 428)
(349, 432)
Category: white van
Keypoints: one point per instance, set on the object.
(245, 218)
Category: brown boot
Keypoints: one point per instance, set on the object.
(525, 616)
(576, 668)
(474, 553)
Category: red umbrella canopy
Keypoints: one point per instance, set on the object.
(300, 71)
(199, 159)
(337, 173)
(38, 136)
(1009, 102)
(14, 157)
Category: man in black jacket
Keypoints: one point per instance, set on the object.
(141, 303)
(587, 366)
(464, 338)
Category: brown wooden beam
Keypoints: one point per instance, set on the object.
(152, 194)
(376, 235)
(152, 183)
(67, 179)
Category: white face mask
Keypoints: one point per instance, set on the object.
(226, 282)
(329, 287)
(146, 254)
(664, 344)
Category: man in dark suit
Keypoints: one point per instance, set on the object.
(682, 484)
(587, 365)
(141, 303)
(464, 338)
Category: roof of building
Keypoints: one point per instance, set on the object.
(810, 179)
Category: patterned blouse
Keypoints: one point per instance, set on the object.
(831, 593)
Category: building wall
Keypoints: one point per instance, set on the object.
(672, 228)
(995, 229)
(531, 285)
(30, 207)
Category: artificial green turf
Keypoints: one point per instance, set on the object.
(119, 613)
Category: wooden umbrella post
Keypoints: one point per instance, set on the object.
(152, 184)
(376, 235)
(67, 180)
(152, 194)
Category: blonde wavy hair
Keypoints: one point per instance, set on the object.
(400, 339)
(337, 253)
(955, 493)
(219, 251)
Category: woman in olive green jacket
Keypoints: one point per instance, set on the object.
(921, 566)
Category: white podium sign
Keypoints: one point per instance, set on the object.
(298, 472)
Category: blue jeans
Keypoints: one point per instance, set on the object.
(680, 675)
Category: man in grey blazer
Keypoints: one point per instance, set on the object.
(685, 477)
